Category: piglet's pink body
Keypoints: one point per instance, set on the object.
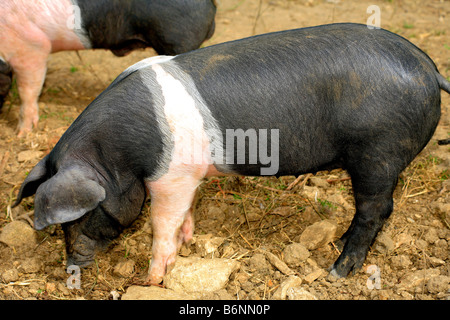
(29, 32)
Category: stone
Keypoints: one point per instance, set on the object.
(19, 235)
(318, 182)
(318, 234)
(194, 274)
(312, 193)
(431, 235)
(401, 261)
(403, 239)
(313, 276)
(277, 263)
(10, 275)
(384, 243)
(299, 293)
(258, 263)
(281, 292)
(438, 284)
(31, 265)
(206, 244)
(29, 155)
(153, 293)
(124, 269)
(417, 278)
(294, 254)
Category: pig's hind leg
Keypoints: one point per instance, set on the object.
(374, 180)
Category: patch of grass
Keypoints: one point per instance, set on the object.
(445, 175)
(407, 25)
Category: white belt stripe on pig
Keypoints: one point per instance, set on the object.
(189, 131)
(78, 23)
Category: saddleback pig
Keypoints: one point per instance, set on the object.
(311, 99)
(31, 30)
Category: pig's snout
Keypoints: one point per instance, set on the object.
(211, 30)
(81, 252)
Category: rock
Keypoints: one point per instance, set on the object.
(206, 244)
(194, 274)
(338, 198)
(436, 262)
(417, 278)
(442, 207)
(294, 254)
(401, 261)
(50, 287)
(29, 155)
(10, 275)
(31, 265)
(312, 193)
(384, 243)
(318, 182)
(124, 269)
(431, 235)
(284, 211)
(277, 263)
(438, 284)
(281, 292)
(258, 263)
(403, 239)
(318, 234)
(63, 288)
(299, 293)
(313, 276)
(153, 293)
(19, 235)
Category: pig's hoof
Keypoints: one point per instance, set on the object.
(344, 265)
(333, 275)
(153, 280)
(146, 282)
(23, 130)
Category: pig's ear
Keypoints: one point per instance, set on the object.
(66, 196)
(34, 179)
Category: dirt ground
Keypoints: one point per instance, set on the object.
(254, 215)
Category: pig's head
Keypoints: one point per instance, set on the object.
(169, 26)
(91, 210)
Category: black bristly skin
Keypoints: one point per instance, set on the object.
(5, 80)
(169, 26)
(341, 96)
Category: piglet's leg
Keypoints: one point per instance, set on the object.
(30, 67)
(29, 85)
(172, 224)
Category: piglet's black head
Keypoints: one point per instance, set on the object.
(64, 197)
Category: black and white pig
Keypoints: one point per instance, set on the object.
(338, 95)
(31, 30)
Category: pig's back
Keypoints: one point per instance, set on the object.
(321, 87)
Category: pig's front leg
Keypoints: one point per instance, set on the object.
(172, 223)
